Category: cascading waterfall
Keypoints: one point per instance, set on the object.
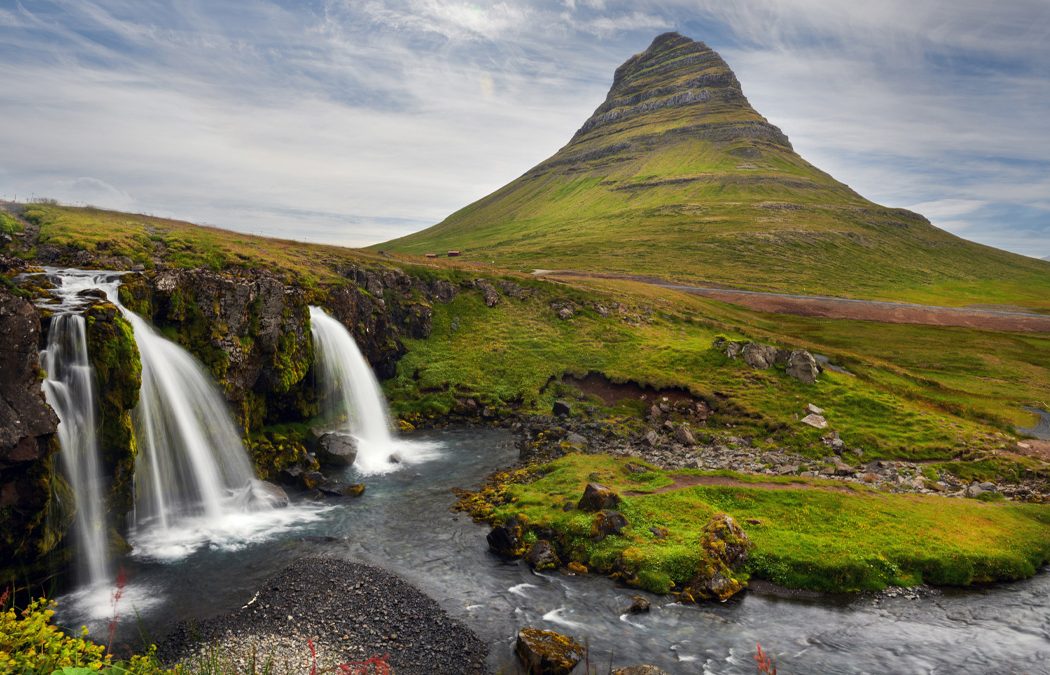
(352, 394)
(70, 390)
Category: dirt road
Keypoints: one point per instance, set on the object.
(846, 308)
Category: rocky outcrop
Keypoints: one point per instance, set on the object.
(598, 497)
(542, 556)
(798, 363)
(27, 439)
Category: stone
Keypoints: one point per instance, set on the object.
(545, 652)
(333, 488)
(815, 421)
(561, 409)
(507, 540)
(312, 480)
(542, 556)
(576, 440)
(724, 547)
(335, 449)
(684, 436)
(758, 355)
(597, 498)
(576, 568)
(803, 367)
(639, 605)
(652, 438)
(488, 292)
(974, 490)
(564, 309)
(266, 495)
(644, 669)
(607, 523)
(814, 410)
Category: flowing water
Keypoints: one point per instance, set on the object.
(351, 395)
(403, 524)
(70, 390)
(194, 484)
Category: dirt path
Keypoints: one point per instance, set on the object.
(846, 308)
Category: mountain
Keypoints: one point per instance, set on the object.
(676, 175)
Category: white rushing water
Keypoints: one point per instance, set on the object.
(70, 390)
(351, 394)
(194, 483)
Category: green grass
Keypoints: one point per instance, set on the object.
(652, 195)
(813, 534)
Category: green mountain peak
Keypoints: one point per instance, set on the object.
(676, 175)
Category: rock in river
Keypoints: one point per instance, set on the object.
(545, 652)
(335, 449)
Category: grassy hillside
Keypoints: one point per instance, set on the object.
(906, 397)
(677, 176)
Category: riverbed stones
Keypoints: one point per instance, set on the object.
(546, 652)
(644, 669)
(335, 449)
(597, 497)
(542, 556)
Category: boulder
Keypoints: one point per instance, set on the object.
(814, 410)
(803, 367)
(564, 309)
(545, 652)
(507, 540)
(576, 440)
(758, 355)
(815, 421)
(335, 449)
(606, 523)
(639, 605)
(724, 547)
(598, 497)
(332, 488)
(561, 409)
(542, 556)
(312, 480)
(652, 438)
(684, 436)
(266, 495)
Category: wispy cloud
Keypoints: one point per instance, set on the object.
(354, 122)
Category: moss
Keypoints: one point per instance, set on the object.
(118, 374)
(279, 447)
(292, 358)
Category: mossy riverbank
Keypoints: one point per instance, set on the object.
(807, 533)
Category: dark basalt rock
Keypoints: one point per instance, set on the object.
(542, 556)
(507, 540)
(598, 497)
(545, 652)
(607, 523)
(27, 440)
(561, 409)
(639, 605)
(335, 449)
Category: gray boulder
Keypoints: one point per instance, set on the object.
(803, 367)
(335, 449)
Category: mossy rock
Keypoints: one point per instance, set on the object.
(114, 356)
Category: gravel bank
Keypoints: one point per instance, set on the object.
(351, 611)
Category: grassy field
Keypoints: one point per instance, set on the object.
(807, 533)
(700, 193)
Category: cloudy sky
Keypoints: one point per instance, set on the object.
(355, 121)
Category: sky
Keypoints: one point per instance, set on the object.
(357, 121)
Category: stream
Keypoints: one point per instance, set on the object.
(403, 523)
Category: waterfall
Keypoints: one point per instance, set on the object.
(70, 390)
(191, 459)
(351, 392)
(352, 395)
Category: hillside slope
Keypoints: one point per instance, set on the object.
(676, 175)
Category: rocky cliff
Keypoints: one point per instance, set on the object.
(30, 490)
